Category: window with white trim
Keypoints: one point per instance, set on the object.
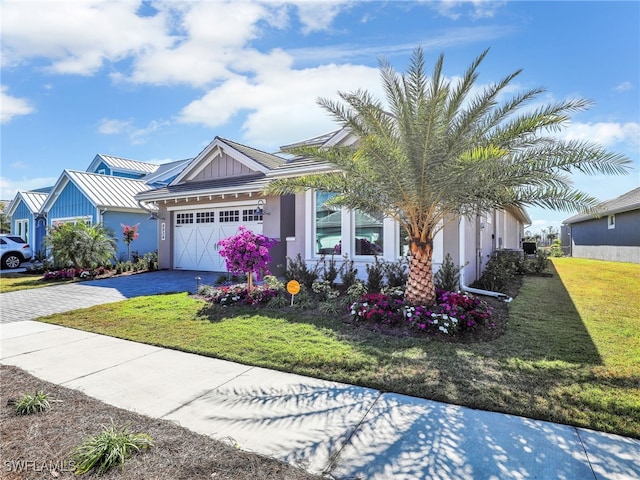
(369, 234)
(205, 217)
(227, 216)
(611, 222)
(184, 218)
(251, 216)
(22, 229)
(328, 226)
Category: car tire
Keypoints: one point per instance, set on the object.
(11, 261)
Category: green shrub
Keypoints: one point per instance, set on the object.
(448, 275)
(329, 270)
(28, 403)
(501, 268)
(556, 249)
(297, 269)
(348, 274)
(540, 263)
(109, 448)
(396, 272)
(375, 276)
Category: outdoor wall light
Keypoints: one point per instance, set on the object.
(260, 209)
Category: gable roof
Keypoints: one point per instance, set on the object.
(624, 203)
(166, 172)
(254, 159)
(101, 190)
(122, 164)
(33, 199)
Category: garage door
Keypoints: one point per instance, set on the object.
(197, 232)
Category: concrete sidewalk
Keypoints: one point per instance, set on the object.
(340, 430)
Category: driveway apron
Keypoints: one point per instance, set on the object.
(37, 302)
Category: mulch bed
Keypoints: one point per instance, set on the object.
(37, 446)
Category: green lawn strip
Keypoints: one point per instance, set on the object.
(546, 366)
(11, 282)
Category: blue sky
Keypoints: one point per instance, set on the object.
(157, 81)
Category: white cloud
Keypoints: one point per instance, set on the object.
(76, 37)
(11, 107)
(604, 133)
(126, 127)
(317, 16)
(9, 187)
(281, 102)
(453, 9)
(623, 87)
(113, 126)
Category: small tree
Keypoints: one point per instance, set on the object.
(129, 234)
(247, 253)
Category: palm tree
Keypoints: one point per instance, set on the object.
(440, 149)
(80, 245)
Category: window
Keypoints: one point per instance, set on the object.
(184, 218)
(611, 222)
(22, 229)
(251, 216)
(328, 223)
(227, 216)
(205, 217)
(368, 234)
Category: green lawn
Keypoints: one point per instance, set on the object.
(10, 282)
(570, 354)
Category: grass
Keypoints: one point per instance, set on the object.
(11, 282)
(32, 403)
(570, 354)
(107, 449)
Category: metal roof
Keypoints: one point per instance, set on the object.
(33, 199)
(102, 190)
(263, 158)
(166, 171)
(118, 163)
(624, 203)
(222, 186)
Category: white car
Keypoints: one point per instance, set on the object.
(14, 251)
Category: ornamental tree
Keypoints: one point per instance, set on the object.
(129, 234)
(247, 253)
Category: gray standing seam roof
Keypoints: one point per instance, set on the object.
(129, 165)
(107, 190)
(624, 203)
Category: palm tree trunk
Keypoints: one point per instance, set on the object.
(420, 288)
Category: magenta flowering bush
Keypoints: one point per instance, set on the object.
(453, 313)
(247, 252)
(129, 234)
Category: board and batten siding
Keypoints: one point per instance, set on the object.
(222, 167)
(71, 203)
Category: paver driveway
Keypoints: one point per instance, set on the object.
(36, 302)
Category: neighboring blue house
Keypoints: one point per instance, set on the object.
(613, 233)
(26, 220)
(104, 193)
(94, 198)
(121, 167)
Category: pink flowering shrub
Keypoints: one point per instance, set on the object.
(453, 313)
(247, 253)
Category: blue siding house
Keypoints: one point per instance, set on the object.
(26, 219)
(95, 198)
(121, 167)
(613, 233)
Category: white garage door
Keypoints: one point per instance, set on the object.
(196, 233)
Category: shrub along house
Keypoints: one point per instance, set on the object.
(613, 233)
(221, 189)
